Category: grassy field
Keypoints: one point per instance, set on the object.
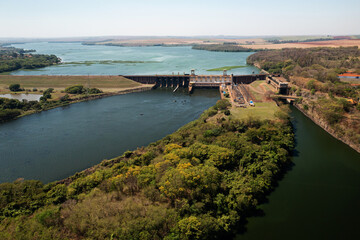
(263, 110)
(225, 68)
(256, 91)
(105, 83)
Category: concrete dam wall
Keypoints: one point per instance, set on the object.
(195, 80)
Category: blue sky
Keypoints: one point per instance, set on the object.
(71, 18)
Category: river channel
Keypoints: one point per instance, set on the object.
(319, 197)
(55, 144)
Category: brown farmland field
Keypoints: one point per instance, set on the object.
(328, 43)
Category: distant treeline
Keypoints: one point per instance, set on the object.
(314, 75)
(4, 47)
(135, 44)
(12, 59)
(322, 64)
(224, 48)
(277, 41)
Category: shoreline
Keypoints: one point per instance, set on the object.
(326, 128)
(318, 121)
(90, 98)
(85, 187)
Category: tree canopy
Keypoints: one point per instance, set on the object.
(12, 59)
(197, 183)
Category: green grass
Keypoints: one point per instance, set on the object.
(225, 68)
(262, 110)
(257, 83)
(41, 82)
(268, 87)
(256, 86)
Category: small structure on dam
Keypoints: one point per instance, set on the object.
(279, 83)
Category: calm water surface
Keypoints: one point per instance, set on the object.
(55, 144)
(22, 96)
(167, 60)
(319, 197)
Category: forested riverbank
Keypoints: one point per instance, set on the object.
(313, 76)
(197, 183)
(58, 91)
(224, 48)
(11, 109)
(12, 59)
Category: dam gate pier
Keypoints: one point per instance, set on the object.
(192, 80)
(233, 85)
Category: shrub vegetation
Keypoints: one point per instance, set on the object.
(79, 89)
(200, 182)
(315, 72)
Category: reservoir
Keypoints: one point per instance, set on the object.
(55, 144)
(84, 59)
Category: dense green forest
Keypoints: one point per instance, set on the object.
(200, 182)
(223, 48)
(12, 59)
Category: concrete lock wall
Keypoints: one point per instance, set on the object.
(199, 80)
(247, 79)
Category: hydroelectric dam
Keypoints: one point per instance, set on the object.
(192, 80)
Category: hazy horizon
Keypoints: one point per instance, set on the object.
(160, 18)
(80, 38)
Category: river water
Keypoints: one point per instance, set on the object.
(54, 144)
(317, 199)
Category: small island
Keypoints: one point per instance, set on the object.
(227, 68)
